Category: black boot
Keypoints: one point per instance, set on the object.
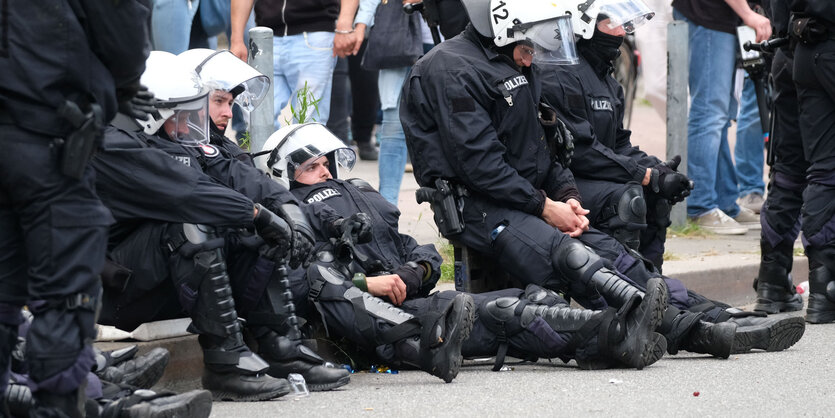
(276, 328)
(147, 404)
(232, 372)
(766, 333)
(602, 339)
(438, 349)
(122, 367)
(19, 399)
(685, 330)
(821, 307)
(775, 292)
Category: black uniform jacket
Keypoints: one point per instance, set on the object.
(139, 183)
(78, 50)
(389, 246)
(220, 140)
(470, 116)
(591, 104)
(244, 178)
(823, 10)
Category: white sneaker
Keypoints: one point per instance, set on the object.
(719, 223)
(748, 218)
(753, 201)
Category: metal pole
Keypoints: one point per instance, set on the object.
(260, 57)
(678, 72)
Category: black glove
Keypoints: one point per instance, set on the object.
(669, 183)
(359, 225)
(137, 102)
(560, 140)
(303, 237)
(275, 231)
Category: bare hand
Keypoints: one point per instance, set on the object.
(239, 49)
(343, 44)
(359, 37)
(390, 286)
(561, 216)
(581, 213)
(760, 24)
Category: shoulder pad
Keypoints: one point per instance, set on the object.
(361, 184)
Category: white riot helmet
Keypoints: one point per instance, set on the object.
(545, 24)
(222, 70)
(180, 99)
(294, 145)
(627, 13)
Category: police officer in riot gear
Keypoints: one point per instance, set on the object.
(813, 27)
(628, 193)
(231, 83)
(66, 67)
(392, 269)
(469, 112)
(209, 268)
(780, 216)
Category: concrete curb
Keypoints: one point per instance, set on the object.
(724, 278)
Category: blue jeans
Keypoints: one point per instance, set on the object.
(306, 57)
(709, 163)
(392, 140)
(171, 24)
(748, 152)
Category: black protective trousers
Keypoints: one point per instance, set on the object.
(53, 238)
(814, 76)
(787, 180)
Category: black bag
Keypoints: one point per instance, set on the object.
(395, 40)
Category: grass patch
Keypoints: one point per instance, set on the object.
(689, 230)
(670, 256)
(799, 252)
(644, 102)
(448, 267)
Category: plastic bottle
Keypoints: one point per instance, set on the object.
(803, 289)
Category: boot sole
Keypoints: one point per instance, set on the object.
(150, 375)
(322, 387)
(194, 404)
(654, 303)
(655, 350)
(460, 323)
(776, 337)
(236, 397)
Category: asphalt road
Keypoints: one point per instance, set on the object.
(797, 382)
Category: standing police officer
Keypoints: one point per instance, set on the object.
(65, 66)
(780, 216)
(813, 24)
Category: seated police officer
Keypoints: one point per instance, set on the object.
(231, 81)
(468, 112)
(169, 202)
(392, 269)
(628, 193)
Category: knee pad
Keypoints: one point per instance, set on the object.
(542, 296)
(576, 262)
(502, 315)
(626, 214)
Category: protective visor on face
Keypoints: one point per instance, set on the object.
(306, 143)
(627, 13)
(553, 42)
(189, 124)
(222, 70)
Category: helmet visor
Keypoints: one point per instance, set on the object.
(553, 42)
(304, 144)
(190, 123)
(222, 70)
(627, 13)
